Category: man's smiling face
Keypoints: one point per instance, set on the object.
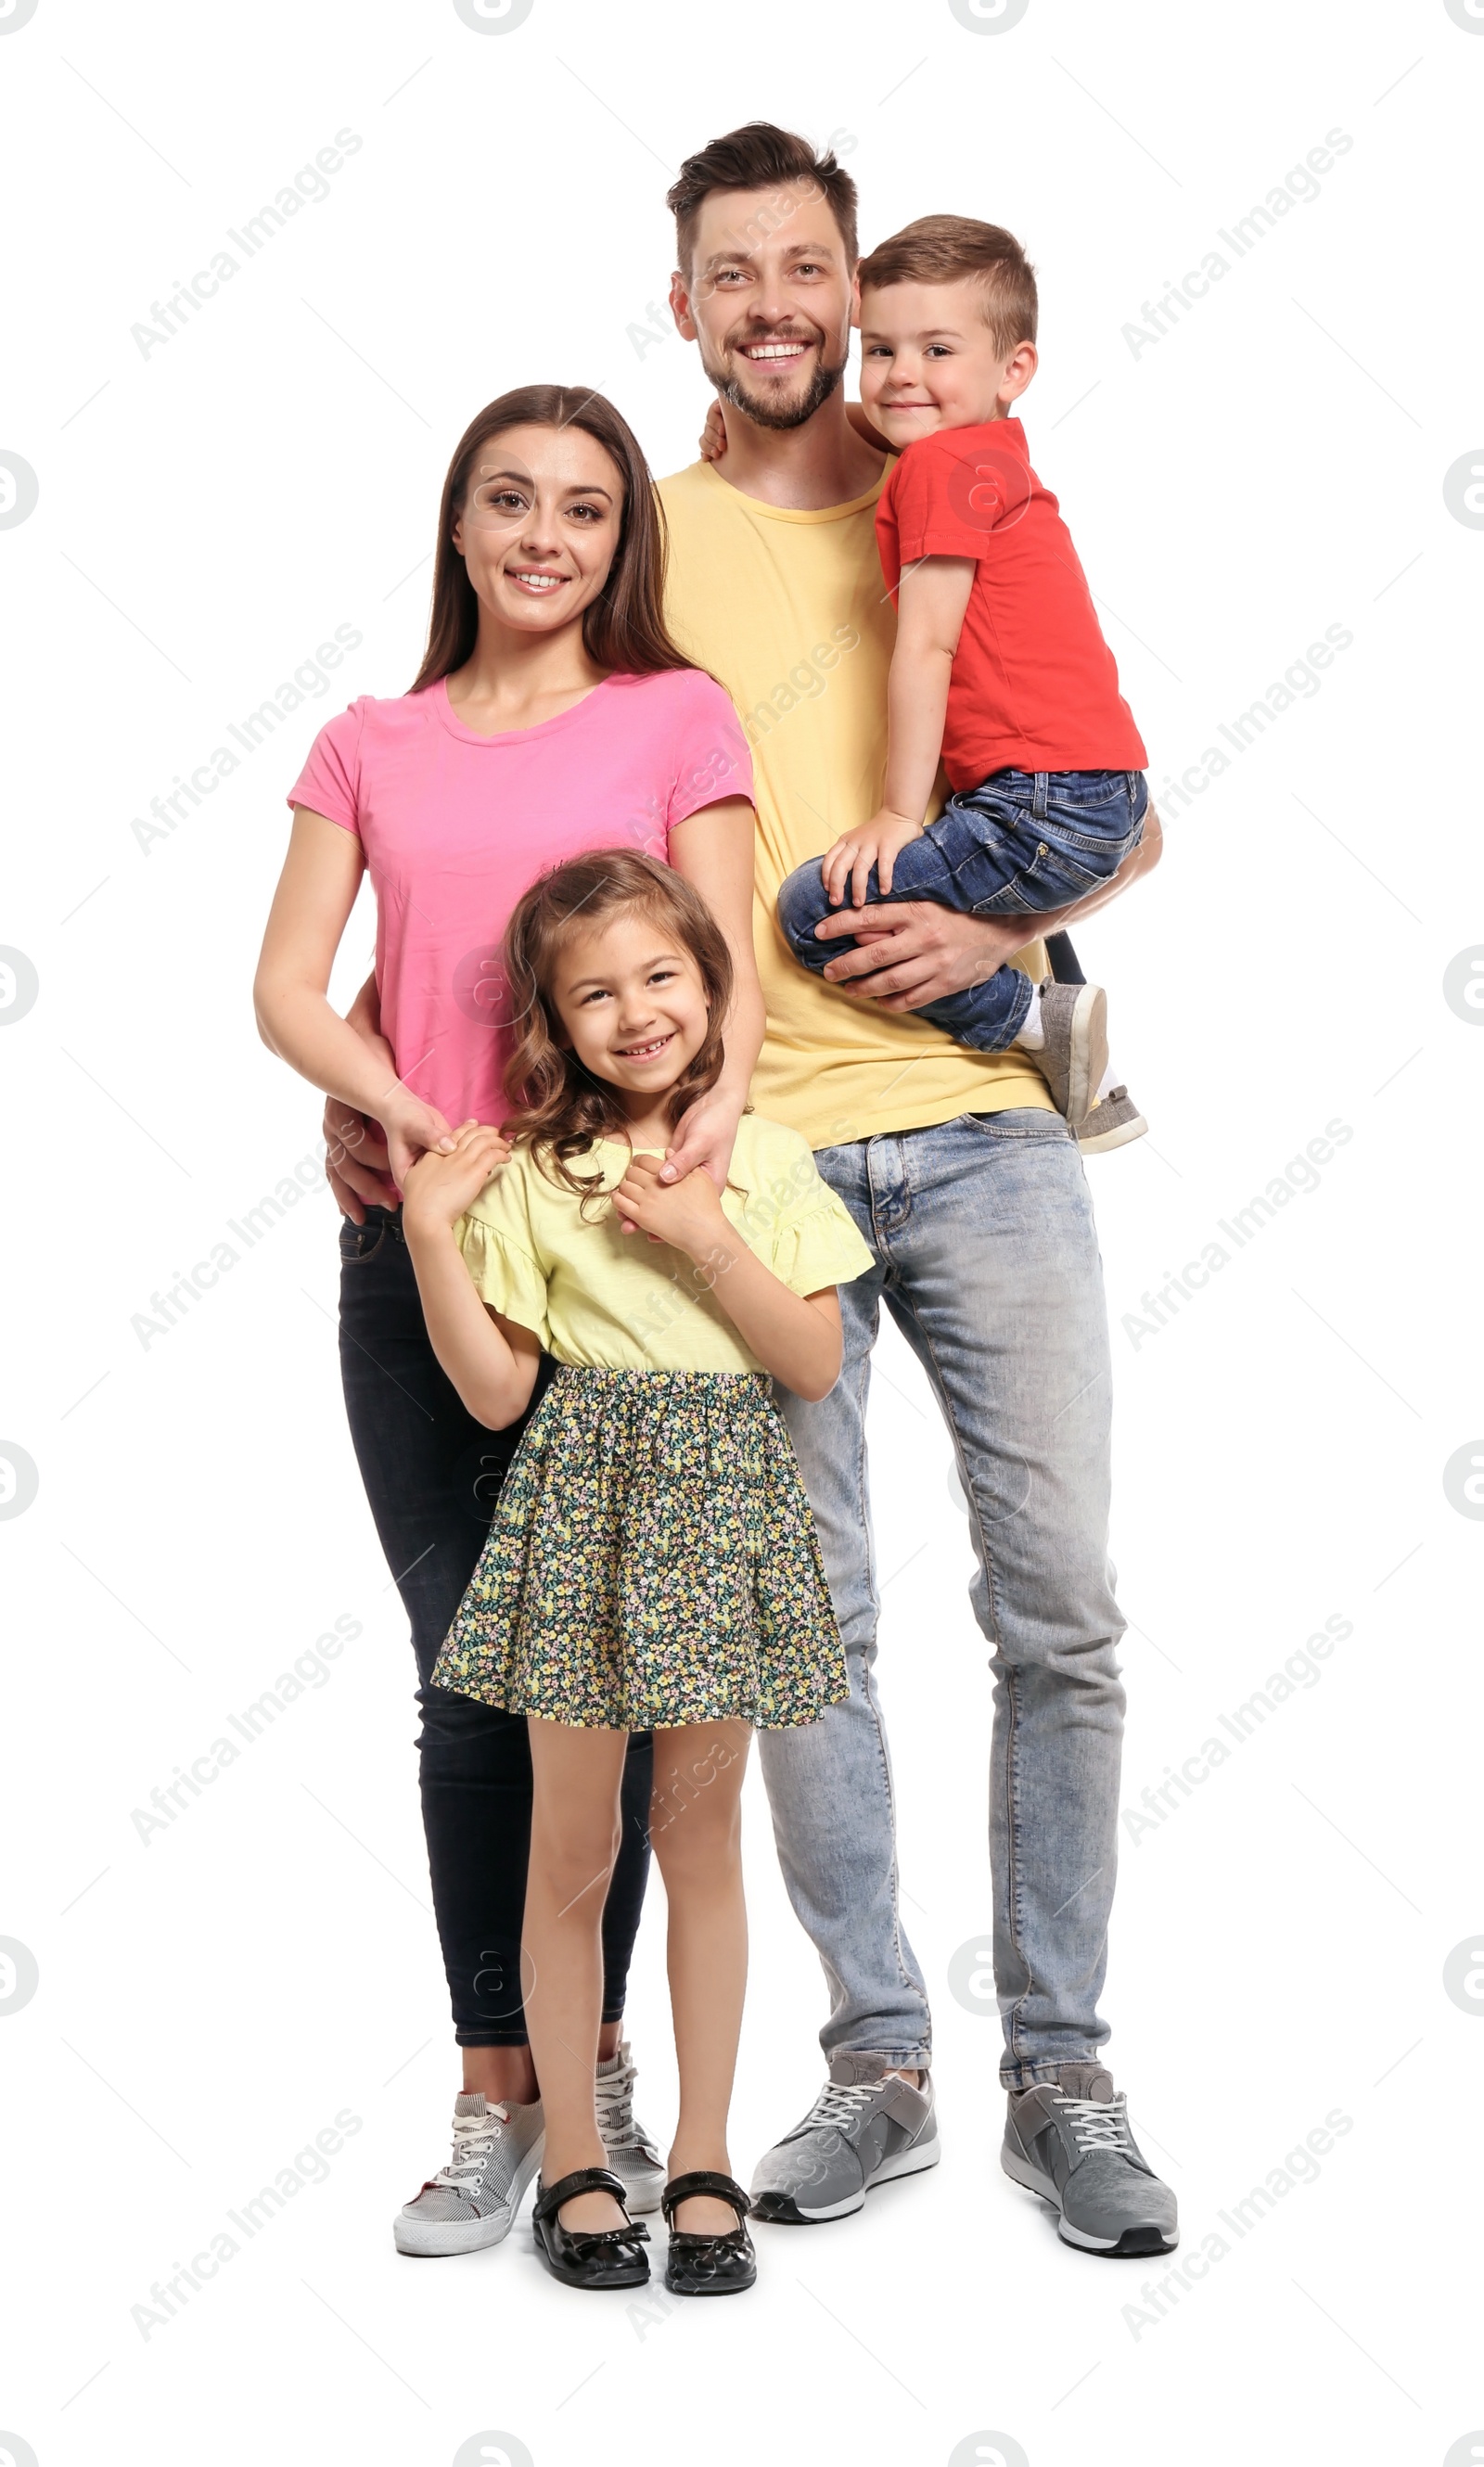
(767, 297)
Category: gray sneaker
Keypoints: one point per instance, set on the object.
(472, 2202)
(631, 2155)
(1112, 1124)
(1070, 2143)
(1072, 1061)
(863, 2130)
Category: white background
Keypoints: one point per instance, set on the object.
(208, 513)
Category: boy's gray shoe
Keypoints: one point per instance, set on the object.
(473, 2201)
(1112, 1124)
(1072, 1061)
(1070, 2143)
(863, 2129)
(631, 2155)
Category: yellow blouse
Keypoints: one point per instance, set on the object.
(613, 1301)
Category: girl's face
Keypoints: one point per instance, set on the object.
(539, 526)
(632, 1004)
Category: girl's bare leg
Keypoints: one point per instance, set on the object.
(575, 1836)
(696, 1832)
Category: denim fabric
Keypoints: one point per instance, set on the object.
(1021, 845)
(432, 1474)
(987, 1259)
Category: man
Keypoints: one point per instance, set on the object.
(969, 1191)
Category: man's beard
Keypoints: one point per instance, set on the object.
(766, 415)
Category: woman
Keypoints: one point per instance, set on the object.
(552, 714)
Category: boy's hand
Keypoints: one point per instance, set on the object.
(686, 1214)
(441, 1185)
(877, 842)
(713, 436)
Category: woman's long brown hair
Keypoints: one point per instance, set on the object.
(559, 1108)
(623, 629)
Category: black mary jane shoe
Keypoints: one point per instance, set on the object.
(708, 2265)
(586, 2256)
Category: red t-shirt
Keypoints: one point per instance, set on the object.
(1034, 685)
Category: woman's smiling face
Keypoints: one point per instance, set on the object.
(539, 526)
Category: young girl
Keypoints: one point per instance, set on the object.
(552, 714)
(653, 1561)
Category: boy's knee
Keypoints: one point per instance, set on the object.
(802, 903)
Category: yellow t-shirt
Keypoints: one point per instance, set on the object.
(613, 1301)
(789, 611)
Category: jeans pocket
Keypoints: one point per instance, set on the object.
(361, 1242)
(1019, 1122)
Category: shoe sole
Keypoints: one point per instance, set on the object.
(443, 2239)
(614, 2286)
(1138, 2242)
(782, 2210)
(1087, 1057)
(1102, 1142)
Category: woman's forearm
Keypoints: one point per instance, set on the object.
(305, 1030)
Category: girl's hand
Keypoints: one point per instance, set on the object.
(705, 1136)
(441, 1183)
(713, 436)
(686, 1214)
(411, 1128)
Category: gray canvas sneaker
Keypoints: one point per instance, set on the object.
(472, 2202)
(631, 2155)
(1072, 1061)
(1070, 2143)
(863, 2129)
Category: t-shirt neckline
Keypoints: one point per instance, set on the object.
(513, 736)
(804, 514)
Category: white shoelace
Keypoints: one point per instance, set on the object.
(1097, 2123)
(841, 2103)
(613, 2096)
(475, 2136)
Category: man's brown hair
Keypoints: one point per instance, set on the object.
(760, 156)
(945, 248)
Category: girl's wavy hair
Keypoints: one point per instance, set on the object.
(560, 1107)
(624, 630)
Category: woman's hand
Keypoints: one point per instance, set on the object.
(440, 1183)
(412, 1129)
(686, 1214)
(705, 1137)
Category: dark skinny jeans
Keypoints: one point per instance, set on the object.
(432, 1474)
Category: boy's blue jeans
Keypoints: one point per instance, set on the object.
(1021, 843)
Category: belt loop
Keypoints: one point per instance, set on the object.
(1038, 796)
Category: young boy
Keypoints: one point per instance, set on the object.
(1000, 668)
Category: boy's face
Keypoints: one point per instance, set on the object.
(767, 297)
(928, 360)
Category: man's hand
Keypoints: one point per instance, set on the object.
(704, 1138)
(440, 1183)
(919, 952)
(878, 843)
(686, 1214)
(356, 1165)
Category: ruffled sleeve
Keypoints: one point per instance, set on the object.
(820, 1248)
(506, 1274)
(797, 1223)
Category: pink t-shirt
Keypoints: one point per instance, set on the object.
(455, 826)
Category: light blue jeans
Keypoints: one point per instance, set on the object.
(987, 1258)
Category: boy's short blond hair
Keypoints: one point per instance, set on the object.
(945, 248)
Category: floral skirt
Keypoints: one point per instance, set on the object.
(653, 1561)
